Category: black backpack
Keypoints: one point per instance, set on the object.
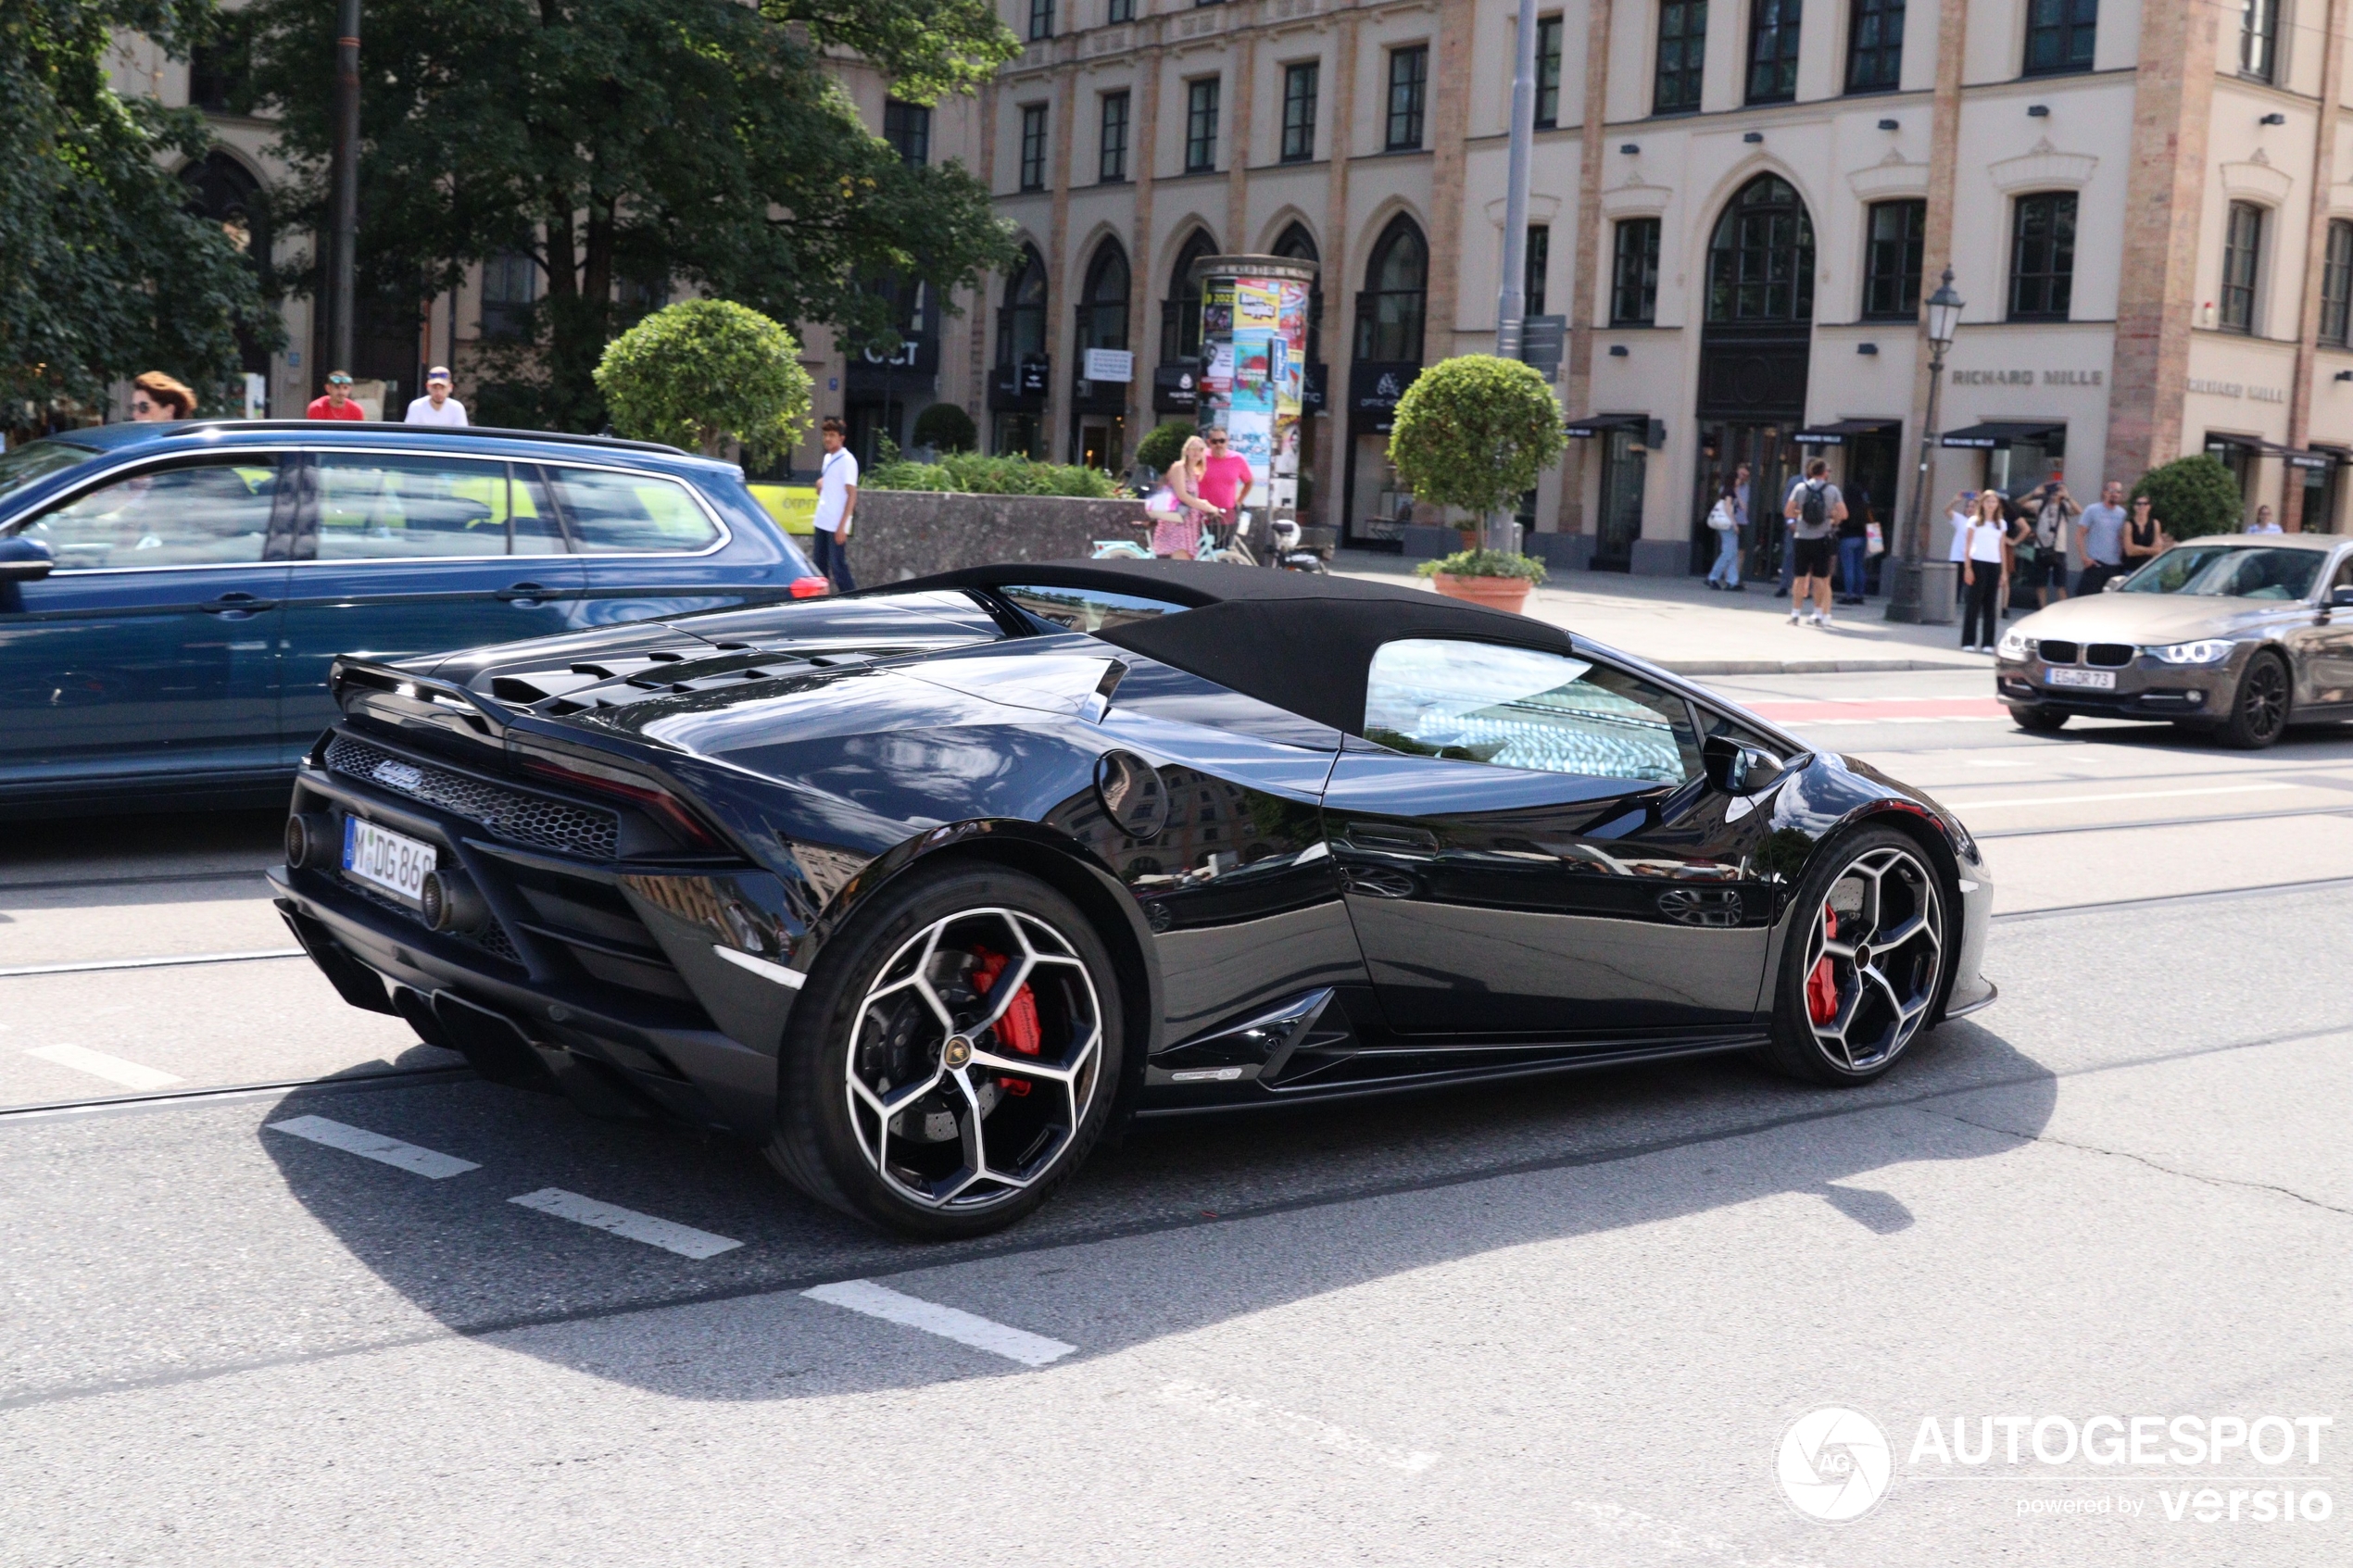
(1811, 511)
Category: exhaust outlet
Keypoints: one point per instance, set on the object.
(451, 902)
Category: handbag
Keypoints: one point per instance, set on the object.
(1874, 542)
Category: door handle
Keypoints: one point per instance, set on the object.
(1385, 835)
(522, 593)
(237, 604)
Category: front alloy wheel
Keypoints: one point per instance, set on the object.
(2259, 708)
(1862, 974)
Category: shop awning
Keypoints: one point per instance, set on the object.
(2000, 433)
(1837, 433)
(1592, 425)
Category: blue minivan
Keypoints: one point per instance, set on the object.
(172, 596)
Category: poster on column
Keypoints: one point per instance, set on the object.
(1255, 359)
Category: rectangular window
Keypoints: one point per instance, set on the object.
(509, 285)
(2059, 35)
(1299, 112)
(375, 507)
(2242, 263)
(1033, 146)
(1201, 126)
(907, 127)
(631, 513)
(2259, 39)
(1042, 19)
(1408, 78)
(1540, 261)
(2337, 286)
(1633, 293)
(1111, 166)
(1897, 231)
(2043, 257)
(1548, 72)
(1120, 11)
(1772, 50)
(215, 71)
(1682, 53)
(1875, 46)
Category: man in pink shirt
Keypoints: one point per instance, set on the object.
(1225, 481)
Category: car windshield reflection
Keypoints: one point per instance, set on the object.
(2229, 571)
(35, 459)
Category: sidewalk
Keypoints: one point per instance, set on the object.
(1681, 624)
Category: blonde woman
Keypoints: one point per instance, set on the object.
(1982, 570)
(1176, 508)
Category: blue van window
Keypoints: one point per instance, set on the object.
(378, 507)
(611, 513)
(213, 513)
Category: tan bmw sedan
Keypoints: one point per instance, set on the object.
(2237, 636)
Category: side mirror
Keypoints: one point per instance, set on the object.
(1737, 768)
(2341, 596)
(2112, 584)
(24, 560)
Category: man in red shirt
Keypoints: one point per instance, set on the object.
(1226, 480)
(337, 402)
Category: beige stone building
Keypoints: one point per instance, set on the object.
(2148, 208)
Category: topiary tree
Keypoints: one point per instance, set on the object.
(703, 372)
(2193, 495)
(1160, 450)
(1475, 431)
(945, 427)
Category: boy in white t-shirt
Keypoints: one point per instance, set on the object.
(836, 505)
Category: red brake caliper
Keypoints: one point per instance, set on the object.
(1018, 1028)
(1821, 987)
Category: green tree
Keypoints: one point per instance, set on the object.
(104, 272)
(630, 146)
(1159, 449)
(945, 427)
(2193, 495)
(1475, 431)
(704, 372)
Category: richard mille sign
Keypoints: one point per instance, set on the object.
(2029, 378)
(2237, 389)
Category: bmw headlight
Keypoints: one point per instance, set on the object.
(2209, 650)
(2016, 646)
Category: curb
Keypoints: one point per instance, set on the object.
(1808, 666)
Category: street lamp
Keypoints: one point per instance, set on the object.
(1923, 589)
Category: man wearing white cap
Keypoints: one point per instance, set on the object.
(436, 406)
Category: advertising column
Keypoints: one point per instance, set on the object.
(1253, 346)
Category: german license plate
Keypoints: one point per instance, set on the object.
(384, 858)
(2093, 680)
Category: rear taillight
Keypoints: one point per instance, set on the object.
(656, 801)
(811, 587)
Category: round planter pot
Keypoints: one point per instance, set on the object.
(1495, 593)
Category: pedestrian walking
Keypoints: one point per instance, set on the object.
(1745, 488)
(2102, 527)
(436, 406)
(1177, 506)
(836, 505)
(2050, 540)
(156, 397)
(2144, 536)
(2264, 522)
(1814, 510)
(1724, 519)
(1854, 550)
(1983, 534)
(1225, 481)
(335, 402)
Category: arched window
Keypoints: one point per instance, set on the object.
(1102, 304)
(1300, 246)
(1180, 312)
(1388, 313)
(1760, 264)
(222, 189)
(1021, 324)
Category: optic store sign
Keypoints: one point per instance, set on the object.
(1836, 1465)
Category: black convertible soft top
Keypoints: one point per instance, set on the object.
(1301, 641)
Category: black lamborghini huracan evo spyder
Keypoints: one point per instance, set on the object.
(924, 888)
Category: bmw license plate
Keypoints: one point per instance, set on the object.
(2093, 680)
(384, 858)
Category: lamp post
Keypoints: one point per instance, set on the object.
(1923, 589)
(344, 184)
(1511, 299)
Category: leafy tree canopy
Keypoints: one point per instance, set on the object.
(1475, 431)
(1159, 450)
(945, 428)
(2193, 495)
(104, 272)
(630, 146)
(704, 372)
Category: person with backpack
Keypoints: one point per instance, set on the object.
(1813, 509)
(1724, 519)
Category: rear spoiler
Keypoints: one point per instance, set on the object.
(401, 698)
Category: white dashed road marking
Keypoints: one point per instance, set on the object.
(426, 1162)
(1240, 1408)
(949, 1323)
(684, 1240)
(98, 1064)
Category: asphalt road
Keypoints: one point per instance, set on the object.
(1566, 1322)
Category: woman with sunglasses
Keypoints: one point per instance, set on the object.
(155, 398)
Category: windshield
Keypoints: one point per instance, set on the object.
(2229, 571)
(22, 465)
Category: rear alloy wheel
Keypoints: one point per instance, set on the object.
(2042, 720)
(1860, 971)
(2259, 708)
(960, 1066)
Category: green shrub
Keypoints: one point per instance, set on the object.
(1475, 431)
(1160, 450)
(971, 472)
(947, 428)
(2193, 495)
(1484, 563)
(705, 371)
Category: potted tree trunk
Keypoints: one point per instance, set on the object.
(1474, 433)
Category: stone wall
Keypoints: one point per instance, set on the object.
(903, 534)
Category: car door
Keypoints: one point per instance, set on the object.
(1527, 844)
(2323, 649)
(150, 651)
(651, 546)
(401, 554)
